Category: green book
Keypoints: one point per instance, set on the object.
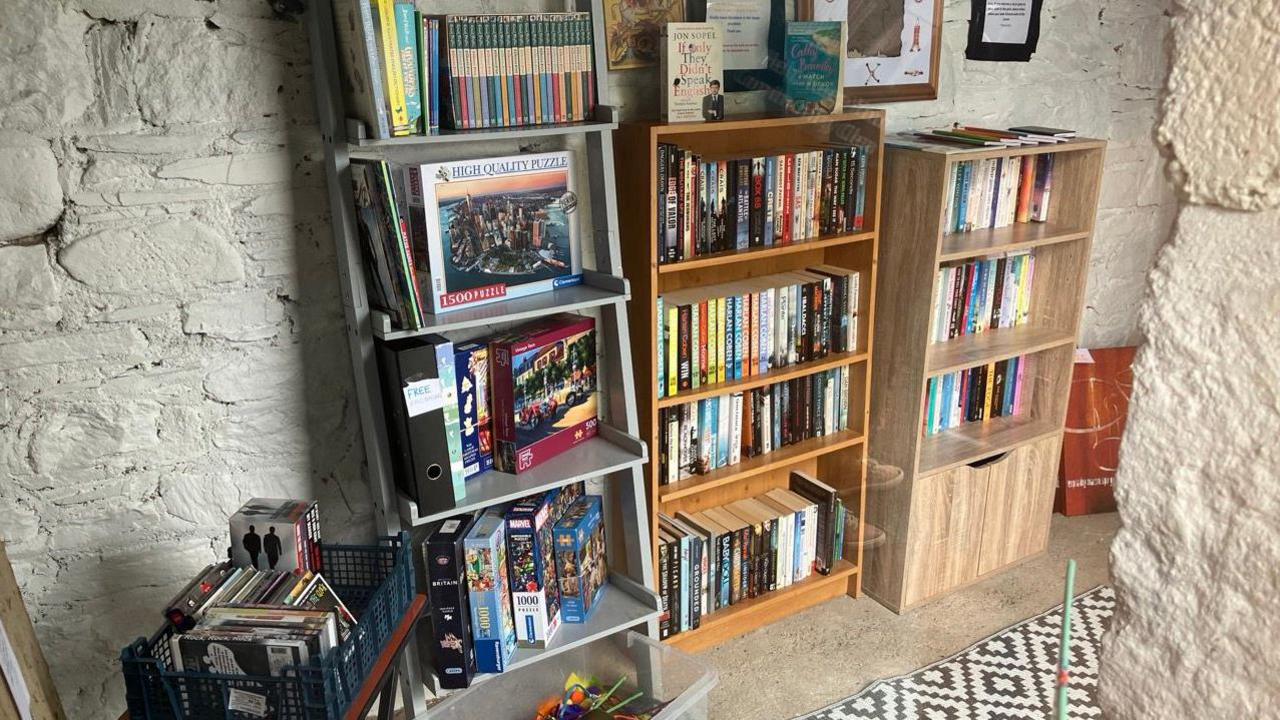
(814, 68)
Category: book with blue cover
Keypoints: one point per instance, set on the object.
(813, 75)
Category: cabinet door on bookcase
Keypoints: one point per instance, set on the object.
(1019, 504)
(945, 533)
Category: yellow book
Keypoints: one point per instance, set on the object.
(673, 333)
(1024, 288)
(394, 72)
(987, 391)
(713, 345)
(720, 343)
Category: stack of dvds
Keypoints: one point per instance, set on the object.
(698, 437)
(981, 295)
(410, 73)
(997, 192)
(977, 394)
(710, 204)
(715, 558)
(726, 332)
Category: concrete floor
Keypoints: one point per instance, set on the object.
(832, 651)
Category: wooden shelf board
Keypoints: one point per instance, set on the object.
(763, 253)
(747, 615)
(593, 458)
(773, 376)
(977, 440)
(992, 346)
(757, 121)
(1018, 236)
(749, 467)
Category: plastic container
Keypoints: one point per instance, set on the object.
(662, 672)
(376, 582)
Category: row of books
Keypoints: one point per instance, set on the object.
(719, 333)
(509, 577)
(981, 295)
(411, 73)
(715, 558)
(977, 394)
(997, 192)
(443, 236)
(507, 401)
(712, 204)
(698, 437)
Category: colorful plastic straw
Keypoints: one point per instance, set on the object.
(1064, 648)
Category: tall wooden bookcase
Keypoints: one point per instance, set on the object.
(976, 498)
(616, 455)
(838, 459)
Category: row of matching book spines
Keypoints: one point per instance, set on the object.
(978, 394)
(997, 192)
(715, 558)
(728, 332)
(981, 295)
(512, 70)
(709, 205)
(698, 437)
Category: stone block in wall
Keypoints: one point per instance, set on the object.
(48, 81)
(30, 194)
(28, 289)
(170, 257)
(124, 345)
(240, 316)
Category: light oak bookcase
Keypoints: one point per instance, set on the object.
(837, 459)
(977, 498)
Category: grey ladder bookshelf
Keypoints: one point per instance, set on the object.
(615, 455)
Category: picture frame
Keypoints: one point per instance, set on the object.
(893, 54)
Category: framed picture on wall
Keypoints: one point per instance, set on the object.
(893, 48)
(633, 30)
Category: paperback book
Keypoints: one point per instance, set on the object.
(692, 68)
(813, 74)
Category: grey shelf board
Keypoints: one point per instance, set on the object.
(610, 451)
(576, 297)
(367, 147)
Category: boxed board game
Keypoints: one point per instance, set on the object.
(535, 593)
(452, 651)
(580, 559)
(543, 379)
(276, 534)
(494, 228)
(420, 399)
(493, 630)
(471, 368)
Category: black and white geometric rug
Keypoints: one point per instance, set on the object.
(1008, 676)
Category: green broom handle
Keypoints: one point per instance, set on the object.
(1064, 649)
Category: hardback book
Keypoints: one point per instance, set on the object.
(692, 68)
(393, 269)
(493, 629)
(272, 534)
(364, 91)
(813, 75)
(494, 228)
(824, 496)
(581, 566)
(452, 651)
(471, 370)
(543, 378)
(535, 593)
(421, 403)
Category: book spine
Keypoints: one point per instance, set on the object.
(394, 74)
(407, 47)
(378, 87)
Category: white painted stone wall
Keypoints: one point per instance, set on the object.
(170, 333)
(1196, 562)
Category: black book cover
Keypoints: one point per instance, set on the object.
(731, 205)
(452, 652)
(771, 557)
(824, 208)
(744, 202)
(757, 203)
(700, 211)
(997, 390)
(741, 555)
(824, 496)
(664, 590)
(958, 299)
(695, 582)
(803, 317)
(682, 210)
(851, 200)
(663, 150)
(806, 412)
(994, 321)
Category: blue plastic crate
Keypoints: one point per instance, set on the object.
(377, 584)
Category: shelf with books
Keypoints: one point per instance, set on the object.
(762, 253)
(764, 609)
(760, 464)
(992, 346)
(777, 375)
(996, 310)
(610, 451)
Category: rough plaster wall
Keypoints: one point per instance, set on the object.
(170, 334)
(1099, 68)
(1196, 561)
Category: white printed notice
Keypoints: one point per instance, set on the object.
(423, 396)
(247, 702)
(12, 670)
(745, 28)
(1007, 21)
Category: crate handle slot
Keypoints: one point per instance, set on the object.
(984, 462)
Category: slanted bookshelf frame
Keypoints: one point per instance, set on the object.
(616, 455)
(840, 458)
(974, 499)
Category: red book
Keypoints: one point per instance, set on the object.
(1025, 182)
(788, 203)
(544, 389)
(702, 342)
